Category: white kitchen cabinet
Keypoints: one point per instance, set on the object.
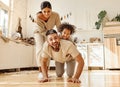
(82, 48)
(26, 56)
(112, 45)
(112, 54)
(15, 55)
(95, 55)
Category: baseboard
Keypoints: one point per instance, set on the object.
(95, 68)
(52, 68)
(18, 69)
(22, 69)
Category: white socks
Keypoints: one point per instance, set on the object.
(40, 76)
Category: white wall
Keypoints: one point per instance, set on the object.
(87, 34)
(84, 12)
(18, 10)
(87, 10)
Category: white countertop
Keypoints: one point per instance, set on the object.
(89, 44)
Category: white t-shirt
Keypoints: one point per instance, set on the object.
(66, 52)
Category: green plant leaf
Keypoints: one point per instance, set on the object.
(102, 14)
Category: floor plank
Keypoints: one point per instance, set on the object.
(90, 78)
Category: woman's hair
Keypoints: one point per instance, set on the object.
(51, 31)
(45, 4)
(68, 26)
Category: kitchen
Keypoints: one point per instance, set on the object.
(89, 39)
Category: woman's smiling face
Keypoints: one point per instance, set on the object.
(46, 12)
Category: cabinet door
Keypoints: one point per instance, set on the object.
(111, 57)
(14, 55)
(118, 52)
(83, 50)
(26, 55)
(95, 55)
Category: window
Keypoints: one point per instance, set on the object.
(4, 16)
(6, 2)
(4, 21)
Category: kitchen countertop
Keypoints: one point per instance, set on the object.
(89, 44)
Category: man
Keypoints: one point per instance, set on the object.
(61, 51)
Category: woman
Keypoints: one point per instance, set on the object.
(46, 19)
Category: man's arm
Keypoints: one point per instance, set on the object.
(44, 69)
(79, 69)
(80, 65)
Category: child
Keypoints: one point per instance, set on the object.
(66, 30)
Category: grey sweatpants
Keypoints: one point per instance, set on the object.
(70, 68)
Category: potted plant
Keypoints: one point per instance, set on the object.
(101, 17)
(117, 18)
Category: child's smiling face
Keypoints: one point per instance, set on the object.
(65, 34)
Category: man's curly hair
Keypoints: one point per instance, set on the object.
(68, 26)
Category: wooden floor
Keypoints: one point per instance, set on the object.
(91, 78)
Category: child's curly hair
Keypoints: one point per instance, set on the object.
(68, 26)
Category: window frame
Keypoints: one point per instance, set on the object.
(7, 8)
